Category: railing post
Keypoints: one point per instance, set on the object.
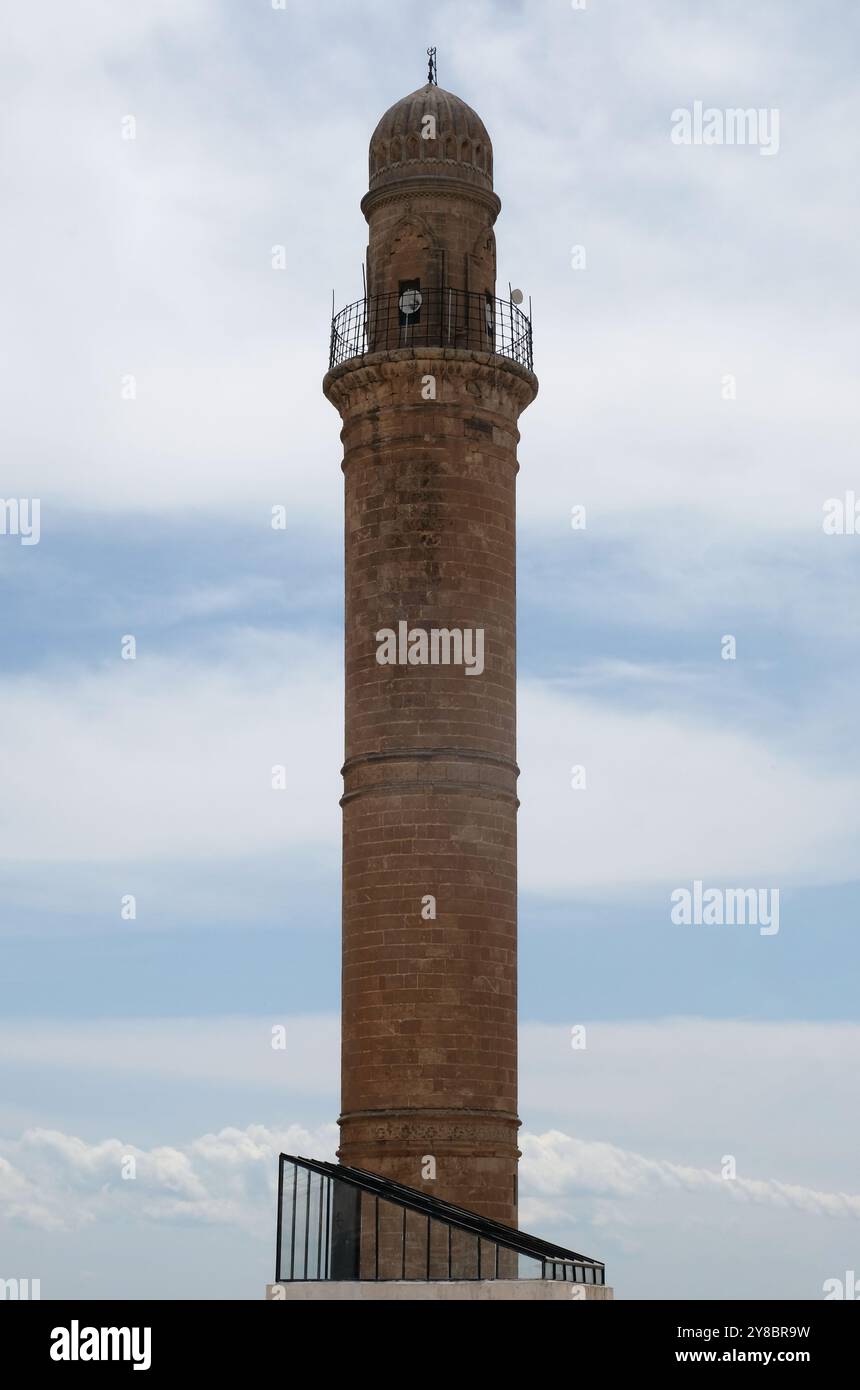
(280, 1229)
(327, 1223)
(307, 1225)
(376, 1238)
(293, 1226)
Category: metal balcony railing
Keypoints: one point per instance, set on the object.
(339, 1223)
(431, 318)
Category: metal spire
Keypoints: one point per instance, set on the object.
(431, 67)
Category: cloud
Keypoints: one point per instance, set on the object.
(691, 1090)
(670, 797)
(233, 1051)
(57, 1181)
(53, 1180)
(687, 1090)
(623, 1147)
(152, 257)
(556, 1165)
(171, 758)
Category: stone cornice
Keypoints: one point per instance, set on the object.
(364, 373)
(433, 186)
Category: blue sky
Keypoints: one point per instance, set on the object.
(152, 257)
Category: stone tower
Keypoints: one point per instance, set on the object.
(430, 371)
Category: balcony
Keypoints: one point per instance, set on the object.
(440, 318)
(337, 1223)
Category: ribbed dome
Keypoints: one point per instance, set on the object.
(461, 148)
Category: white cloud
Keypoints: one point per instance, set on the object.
(229, 1050)
(57, 1181)
(670, 797)
(171, 758)
(556, 1165)
(623, 1147)
(152, 256)
(685, 1090)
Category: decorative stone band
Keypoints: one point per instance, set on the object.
(430, 769)
(399, 1131)
(475, 1155)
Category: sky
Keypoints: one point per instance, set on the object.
(697, 358)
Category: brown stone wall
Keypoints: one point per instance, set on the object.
(429, 1006)
(441, 236)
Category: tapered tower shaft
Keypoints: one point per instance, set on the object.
(430, 373)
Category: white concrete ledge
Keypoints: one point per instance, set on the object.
(518, 1290)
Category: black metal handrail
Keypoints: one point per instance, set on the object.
(442, 317)
(336, 1222)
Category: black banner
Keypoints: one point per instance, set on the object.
(158, 1338)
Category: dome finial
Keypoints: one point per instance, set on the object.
(431, 67)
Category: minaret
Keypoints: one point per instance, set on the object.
(430, 372)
